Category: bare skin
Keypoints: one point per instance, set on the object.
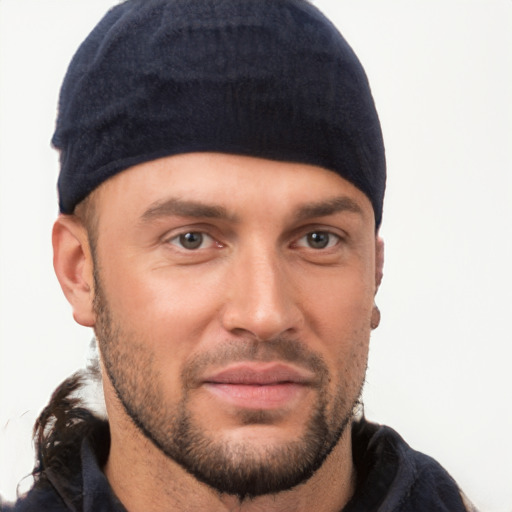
(208, 265)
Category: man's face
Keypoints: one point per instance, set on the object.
(233, 306)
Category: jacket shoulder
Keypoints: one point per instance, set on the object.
(38, 500)
(395, 477)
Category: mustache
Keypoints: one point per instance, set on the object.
(237, 351)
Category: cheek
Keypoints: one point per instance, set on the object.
(339, 314)
(168, 309)
(161, 321)
(340, 305)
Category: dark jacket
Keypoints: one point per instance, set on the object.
(392, 477)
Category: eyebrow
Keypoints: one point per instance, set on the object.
(328, 207)
(184, 208)
(187, 208)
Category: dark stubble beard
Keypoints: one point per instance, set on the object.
(235, 468)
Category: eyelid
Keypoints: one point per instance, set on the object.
(330, 245)
(304, 230)
(176, 238)
(176, 233)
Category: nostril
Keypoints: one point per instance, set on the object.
(260, 323)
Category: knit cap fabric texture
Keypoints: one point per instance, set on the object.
(266, 78)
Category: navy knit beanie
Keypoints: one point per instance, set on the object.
(265, 78)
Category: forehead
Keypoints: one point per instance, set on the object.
(235, 183)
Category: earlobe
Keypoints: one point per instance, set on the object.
(379, 262)
(73, 266)
(375, 320)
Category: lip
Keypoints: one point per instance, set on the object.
(259, 385)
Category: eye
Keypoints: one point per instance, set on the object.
(192, 240)
(319, 240)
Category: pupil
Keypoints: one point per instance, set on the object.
(191, 240)
(318, 240)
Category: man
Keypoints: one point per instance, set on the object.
(221, 189)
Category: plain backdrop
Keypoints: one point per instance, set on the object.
(440, 363)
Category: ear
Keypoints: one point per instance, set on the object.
(379, 261)
(72, 261)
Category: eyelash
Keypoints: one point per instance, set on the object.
(332, 240)
(180, 238)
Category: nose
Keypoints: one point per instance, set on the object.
(262, 299)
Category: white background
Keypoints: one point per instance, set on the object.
(440, 365)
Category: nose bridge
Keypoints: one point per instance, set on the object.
(261, 300)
